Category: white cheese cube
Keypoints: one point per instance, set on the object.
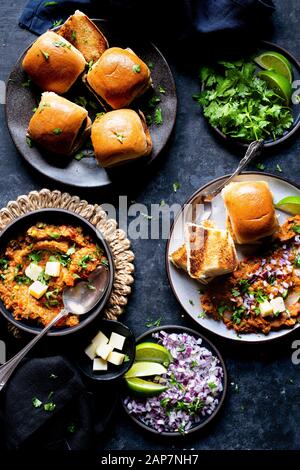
(99, 364)
(100, 339)
(52, 268)
(104, 350)
(278, 305)
(116, 358)
(265, 308)
(37, 289)
(116, 341)
(33, 271)
(90, 351)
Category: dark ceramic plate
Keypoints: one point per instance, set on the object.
(263, 47)
(205, 420)
(113, 372)
(85, 173)
(57, 216)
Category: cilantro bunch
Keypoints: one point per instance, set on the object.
(242, 105)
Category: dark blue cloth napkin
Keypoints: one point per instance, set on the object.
(170, 19)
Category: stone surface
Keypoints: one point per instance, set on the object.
(262, 407)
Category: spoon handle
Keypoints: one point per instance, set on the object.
(8, 368)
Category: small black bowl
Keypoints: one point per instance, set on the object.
(57, 216)
(113, 372)
(147, 336)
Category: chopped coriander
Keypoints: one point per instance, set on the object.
(44, 278)
(146, 216)
(152, 323)
(181, 348)
(136, 68)
(158, 119)
(61, 44)
(126, 358)
(71, 428)
(93, 105)
(90, 64)
(244, 285)
(71, 250)
(57, 23)
(297, 261)
(154, 100)
(52, 293)
(221, 309)
(34, 109)
(212, 385)
(296, 228)
(120, 137)
(98, 115)
(162, 203)
(50, 395)
(73, 37)
(22, 280)
(29, 141)
(79, 156)
(194, 364)
(50, 4)
(202, 315)
(260, 166)
(105, 262)
(149, 119)
(36, 402)
(81, 101)
(235, 292)
(57, 131)
(54, 235)
(45, 54)
(3, 263)
(191, 302)
(91, 286)
(176, 186)
(35, 256)
(49, 406)
(26, 83)
(150, 65)
(161, 89)
(84, 260)
(278, 168)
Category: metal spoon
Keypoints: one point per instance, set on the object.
(206, 197)
(78, 300)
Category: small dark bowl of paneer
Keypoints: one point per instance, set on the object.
(41, 254)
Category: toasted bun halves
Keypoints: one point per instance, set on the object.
(53, 63)
(80, 31)
(59, 125)
(118, 77)
(120, 136)
(250, 211)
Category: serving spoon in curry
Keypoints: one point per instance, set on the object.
(78, 300)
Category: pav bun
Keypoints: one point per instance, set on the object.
(58, 125)
(118, 77)
(250, 211)
(53, 63)
(120, 136)
(80, 31)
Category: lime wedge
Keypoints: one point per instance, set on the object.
(278, 83)
(271, 60)
(145, 369)
(153, 352)
(142, 387)
(290, 204)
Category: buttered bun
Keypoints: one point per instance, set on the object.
(120, 136)
(59, 125)
(250, 211)
(53, 63)
(118, 77)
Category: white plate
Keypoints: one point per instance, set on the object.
(186, 289)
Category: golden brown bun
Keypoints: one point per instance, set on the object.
(59, 125)
(118, 77)
(53, 63)
(120, 136)
(250, 211)
(80, 31)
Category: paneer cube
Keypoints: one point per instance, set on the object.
(116, 358)
(99, 364)
(90, 351)
(278, 305)
(266, 308)
(116, 341)
(103, 351)
(52, 268)
(33, 271)
(37, 289)
(100, 339)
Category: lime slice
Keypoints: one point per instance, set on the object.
(142, 387)
(145, 369)
(274, 61)
(278, 83)
(153, 352)
(290, 204)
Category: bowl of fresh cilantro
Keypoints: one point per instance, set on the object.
(252, 98)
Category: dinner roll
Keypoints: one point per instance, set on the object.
(53, 63)
(80, 31)
(59, 125)
(118, 77)
(119, 136)
(250, 211)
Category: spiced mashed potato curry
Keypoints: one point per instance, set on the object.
(36, 267)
